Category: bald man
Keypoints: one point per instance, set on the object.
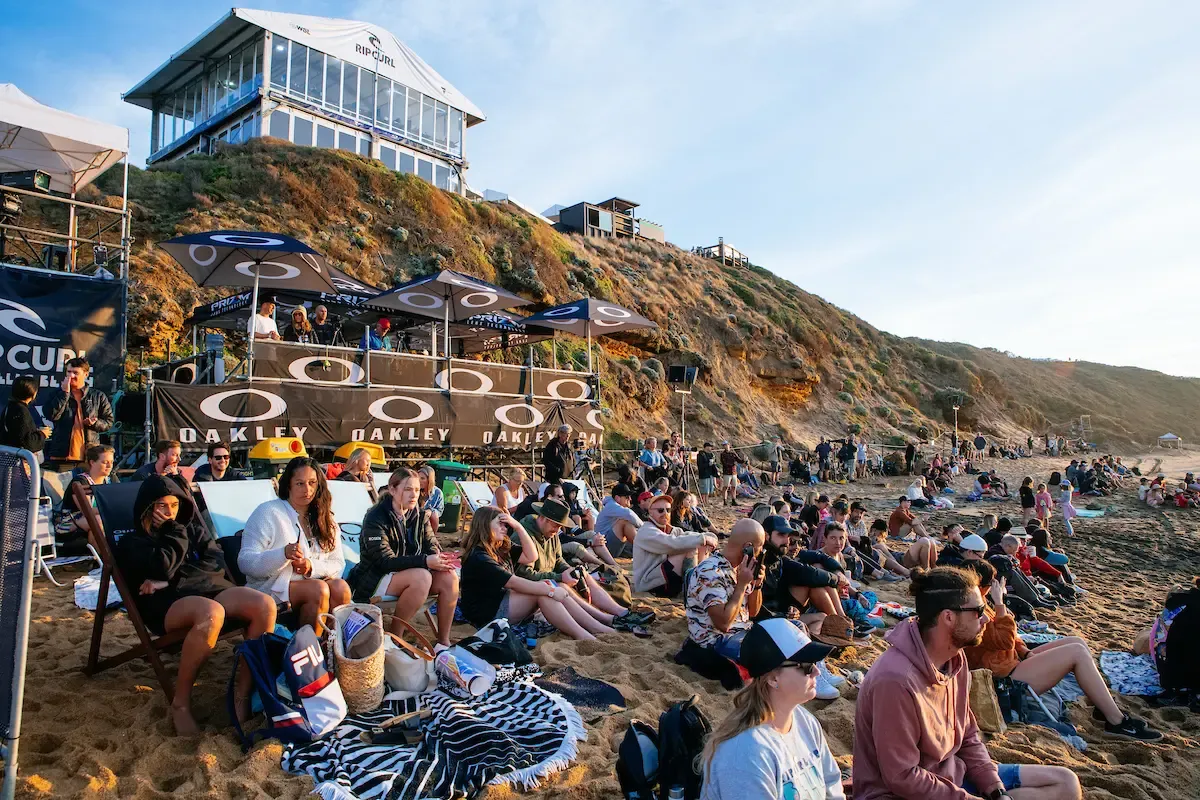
(725, 591)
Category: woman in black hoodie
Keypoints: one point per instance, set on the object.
(17, 428)
(181, 584)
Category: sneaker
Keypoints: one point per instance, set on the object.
(826, 690)
(639, 617)
(439, 647)
(891, 577)
(623, 623)
(830, 677)
(1131, 728)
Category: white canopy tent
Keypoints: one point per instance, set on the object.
(1170, 440)
(71, 149)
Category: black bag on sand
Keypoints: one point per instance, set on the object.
(682, 731)
(496, 644)
(707, 663)
(637, 762)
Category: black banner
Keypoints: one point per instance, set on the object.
(348, 367)
(47, 318)
(330, 416)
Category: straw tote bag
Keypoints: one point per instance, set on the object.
(361, 678)
(408, 667)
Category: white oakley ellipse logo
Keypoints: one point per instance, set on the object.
(17, 313)
(211, 406)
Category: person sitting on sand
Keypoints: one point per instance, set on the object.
(915, 737)
(491, 590)
(292, 546)
(1001, 650)
(903, 521)
(724, 592)
(663, 553)
(617, 522)
(399, 556)
(768, 746)
(178, 574)
(955, 548)
(543, 529)
(884, 555)
(997, 531)
(358, 470)
(509, 494)
(804, 582)
(687, 515)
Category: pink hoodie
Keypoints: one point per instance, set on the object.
(915, 736)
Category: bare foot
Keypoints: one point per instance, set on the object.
(185, 723)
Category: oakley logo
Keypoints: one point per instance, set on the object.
(211, 406)
(17, 313)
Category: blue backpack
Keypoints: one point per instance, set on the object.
(301, 699)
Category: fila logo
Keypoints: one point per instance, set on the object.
(309, 656)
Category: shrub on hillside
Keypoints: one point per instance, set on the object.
(845, 397)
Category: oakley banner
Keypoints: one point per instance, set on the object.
(47, 318)
(330, 416)
(346, 367)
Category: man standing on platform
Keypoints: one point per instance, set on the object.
(79, 413)
(557, 458)
(322, 329)
(262, 325)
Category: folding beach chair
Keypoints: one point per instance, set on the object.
(107, 522)
(351, 502)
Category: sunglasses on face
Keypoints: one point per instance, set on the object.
(221, 458)
(807, 669)
(978, 611)
(660, 510)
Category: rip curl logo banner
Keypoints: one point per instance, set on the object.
(330, 416)
(47, 319)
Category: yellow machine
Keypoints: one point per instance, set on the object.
(378, 458)
(270, 456)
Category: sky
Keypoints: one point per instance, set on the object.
(1023, 176)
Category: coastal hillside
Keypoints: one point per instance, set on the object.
(774, 359)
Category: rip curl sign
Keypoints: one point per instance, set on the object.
(329, 416)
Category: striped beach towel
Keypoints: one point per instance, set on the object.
(517, 733)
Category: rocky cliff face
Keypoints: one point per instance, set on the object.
(774, 359)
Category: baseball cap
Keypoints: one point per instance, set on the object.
(823, 498)
(776, 524)
(621, 490)
(840, 506)
(385, 323)
(974, 542)
(773, 641)
(644, 496)
(903, 497)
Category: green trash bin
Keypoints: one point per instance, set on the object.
(448, 473)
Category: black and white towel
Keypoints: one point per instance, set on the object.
(517, 733)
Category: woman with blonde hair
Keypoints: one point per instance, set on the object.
(301, 329)
(769, 746)
(431, 498)
(510, 493)
(358, 469)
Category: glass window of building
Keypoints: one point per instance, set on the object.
(383, 103)
(388, 156)
(364, 147)
(325, 136)
(366, 95)
(442, 179)
(279, 63)
(235, 134)
(414, 115)
(316, 75)
(408, 164)
(302, 133)
(455, 184)
(220, 84)
(346, 141)
(280, 120)
(456, 122)
(333, 82)
(398, 108)
(297, 69)
(425, 169)
(427, 121)
(440, 130)
(350, 89)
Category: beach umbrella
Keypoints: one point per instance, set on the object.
(251, 258)
(581, 316)
(448, 295)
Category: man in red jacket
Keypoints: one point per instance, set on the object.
(915, 736)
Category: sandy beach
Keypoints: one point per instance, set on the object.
(108, 736)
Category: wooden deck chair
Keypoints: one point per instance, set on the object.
(387, 604)
(114, 504)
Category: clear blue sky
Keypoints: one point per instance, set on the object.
(1021, 175)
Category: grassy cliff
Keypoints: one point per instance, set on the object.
(774, 359)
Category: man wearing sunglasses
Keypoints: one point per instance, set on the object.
(217, 468)
(663, 554)
(915, 736)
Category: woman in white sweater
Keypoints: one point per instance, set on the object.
(292, 547)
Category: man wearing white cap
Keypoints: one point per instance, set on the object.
(769, 746)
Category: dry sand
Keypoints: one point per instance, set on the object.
(108, 736)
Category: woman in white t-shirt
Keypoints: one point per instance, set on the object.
(770, 747)
(510, 493)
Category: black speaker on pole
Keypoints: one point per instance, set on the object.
(676, 373)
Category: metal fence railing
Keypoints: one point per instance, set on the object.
(20, 481)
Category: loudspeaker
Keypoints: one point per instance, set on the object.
(676, 373)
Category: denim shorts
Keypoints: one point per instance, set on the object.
(1010, 776)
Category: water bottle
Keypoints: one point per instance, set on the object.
(466, 669)
(676, 793)
(530, 631)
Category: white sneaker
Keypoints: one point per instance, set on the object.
(830, 677)
(825, 690)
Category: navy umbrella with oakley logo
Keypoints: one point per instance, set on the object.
(583, 316)
(251, 258)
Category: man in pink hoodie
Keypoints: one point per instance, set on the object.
(915, 737)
